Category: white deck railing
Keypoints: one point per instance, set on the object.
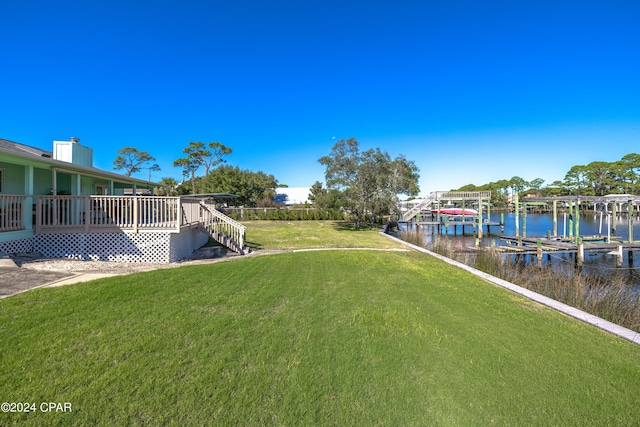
(101, 213)
(12, 208)
(90, 214)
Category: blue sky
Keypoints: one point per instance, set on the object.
(471, 91)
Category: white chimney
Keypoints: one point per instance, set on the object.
(72, 152)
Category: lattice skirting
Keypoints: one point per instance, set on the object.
(156, 247)
(17, 246)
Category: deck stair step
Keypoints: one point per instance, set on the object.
(209, 252)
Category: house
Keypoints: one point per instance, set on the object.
(58, 204)
(293, 195)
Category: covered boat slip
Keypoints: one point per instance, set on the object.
(611, 209)
(451, 209)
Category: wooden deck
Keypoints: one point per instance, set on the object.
(102, 214)
(529, 245)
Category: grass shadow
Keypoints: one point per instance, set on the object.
(253, 245)
(350, 226)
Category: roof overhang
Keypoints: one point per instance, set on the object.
(66, 167)
(211, 196)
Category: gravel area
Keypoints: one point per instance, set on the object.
(36, 261)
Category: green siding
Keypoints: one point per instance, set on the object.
(42, 182)
(13, 178)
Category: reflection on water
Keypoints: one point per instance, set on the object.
(537, 225)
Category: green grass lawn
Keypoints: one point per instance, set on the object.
(313, 234)
(310, 338)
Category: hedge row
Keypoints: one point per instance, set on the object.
(286, 214)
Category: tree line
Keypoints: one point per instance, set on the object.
(365, 185)
(598, 178)
(252, 188)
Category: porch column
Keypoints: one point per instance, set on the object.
(78, 181)
(27, 210)
(54, 182)
(111, 193)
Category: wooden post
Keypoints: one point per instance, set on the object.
(576, 221)
(502, 222)
(524, 219)
(580, 252)
(87, 214)
(555, 218)
(600, 225)
(480, 217)
(571, 220)
(517, 215)
(136, 219)
(463, 206)
(619, 257)
(614, 214)
(539, 252)
(179, 213)
(630, 220)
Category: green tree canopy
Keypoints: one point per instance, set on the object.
(369, 181)
(324, 198)
(598, 178)
(200, 154)
(251, 187)
(133, 160)
(167, 187)
(189, 167)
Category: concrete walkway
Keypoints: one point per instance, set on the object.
(15, 280)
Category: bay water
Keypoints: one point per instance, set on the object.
(537, 225)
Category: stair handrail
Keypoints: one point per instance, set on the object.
(223, 229)
(411, 213)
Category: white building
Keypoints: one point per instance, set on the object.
(293, 195)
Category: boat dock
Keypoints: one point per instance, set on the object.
(540, 246)
(448, 224)
(431, 212)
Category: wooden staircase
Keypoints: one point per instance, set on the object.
(436, 198)
(426, 204)
(222, 228)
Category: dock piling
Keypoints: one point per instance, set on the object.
(580, 259)
(619, 257)
(576, 221)
(630, 219)
(555, 218)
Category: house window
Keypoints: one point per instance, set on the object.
(102, 190)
